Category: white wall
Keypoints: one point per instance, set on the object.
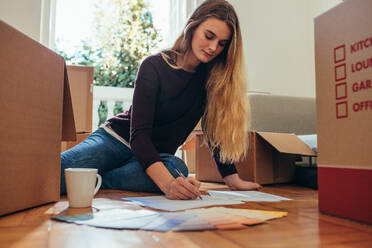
(31, 17)
(278, 39)
(23, 15)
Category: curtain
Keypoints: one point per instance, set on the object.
(180, 10)
(47, 23)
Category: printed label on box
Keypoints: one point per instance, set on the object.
(358, 66)
(362, 85)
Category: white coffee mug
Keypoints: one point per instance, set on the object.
(81, 186)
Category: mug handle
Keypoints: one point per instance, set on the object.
(99, 182)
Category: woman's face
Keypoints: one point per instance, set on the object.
(209, 39)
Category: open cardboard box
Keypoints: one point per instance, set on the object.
(343, 63)
(270, 158)
(36, 115)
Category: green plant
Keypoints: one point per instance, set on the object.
(118, 108)
(124, 35)
(102, 112)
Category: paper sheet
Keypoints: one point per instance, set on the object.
(160, 202)
(250, 196)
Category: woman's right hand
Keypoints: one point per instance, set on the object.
(183, 189)
(174, 188)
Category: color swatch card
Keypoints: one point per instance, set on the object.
(194, 224)
(167, 221)
(223, 219)
(249, 213)
(113, 218)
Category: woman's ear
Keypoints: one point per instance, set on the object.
(187, 26)
(190, 21)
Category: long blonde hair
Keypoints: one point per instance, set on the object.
(225, 120)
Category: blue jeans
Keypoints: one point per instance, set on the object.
(115, 163)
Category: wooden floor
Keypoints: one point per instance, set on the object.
(303, 227)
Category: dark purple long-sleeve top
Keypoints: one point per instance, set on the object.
(167, 104)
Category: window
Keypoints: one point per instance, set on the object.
(74, 22)
(74, 30)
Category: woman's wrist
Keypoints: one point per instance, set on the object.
(161, 176)
(173, 188)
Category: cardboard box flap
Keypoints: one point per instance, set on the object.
(287, 143)
(68, 122)
(80, 80)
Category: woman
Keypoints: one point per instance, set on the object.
(202, 75)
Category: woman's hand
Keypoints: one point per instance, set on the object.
(183, 189)
(236, 183)
(174, 188)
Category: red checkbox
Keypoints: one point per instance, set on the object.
(340, 72)
(339, 53)
(341, 91)
(341, 110)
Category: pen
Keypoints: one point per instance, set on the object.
(179, 173)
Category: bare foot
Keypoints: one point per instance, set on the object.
(246, 185)
(236, 183)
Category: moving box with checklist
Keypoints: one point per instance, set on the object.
(343, 58)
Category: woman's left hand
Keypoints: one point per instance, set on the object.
(236, 183)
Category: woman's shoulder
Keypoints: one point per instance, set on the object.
(155, 61)
(161, 61)
(153, 57)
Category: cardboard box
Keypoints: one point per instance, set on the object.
(343, 59)
(81, 83)
(270, 158)
(188, 149)
(188, 152)
(80, 137)
(36, 114)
